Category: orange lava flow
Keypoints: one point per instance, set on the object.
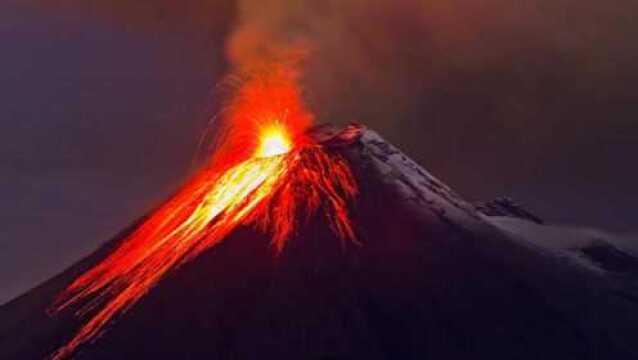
(279, 185)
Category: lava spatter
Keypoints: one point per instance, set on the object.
(284, 179)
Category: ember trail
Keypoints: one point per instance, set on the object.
(276, 186)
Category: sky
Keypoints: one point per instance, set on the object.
(104, 105)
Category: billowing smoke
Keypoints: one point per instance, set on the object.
(380, 58)
(266, 32)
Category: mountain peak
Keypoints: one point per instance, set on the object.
(430, 276)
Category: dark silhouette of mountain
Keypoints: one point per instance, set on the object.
(432, 278)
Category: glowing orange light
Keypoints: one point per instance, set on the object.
(265, 176)
(273, 140)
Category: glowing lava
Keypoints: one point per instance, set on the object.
(274, 140)
(279, 183)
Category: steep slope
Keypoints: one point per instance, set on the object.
(432, 278)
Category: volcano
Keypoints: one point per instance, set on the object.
(429, 275)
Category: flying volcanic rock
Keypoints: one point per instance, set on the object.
(429, 276)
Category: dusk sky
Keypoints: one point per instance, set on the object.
(103, 107)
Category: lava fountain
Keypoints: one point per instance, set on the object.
(266, 173)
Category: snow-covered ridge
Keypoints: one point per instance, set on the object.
(594, 248)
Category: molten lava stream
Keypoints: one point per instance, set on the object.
(276, 188)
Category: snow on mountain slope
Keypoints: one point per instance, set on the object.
(591, 247)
